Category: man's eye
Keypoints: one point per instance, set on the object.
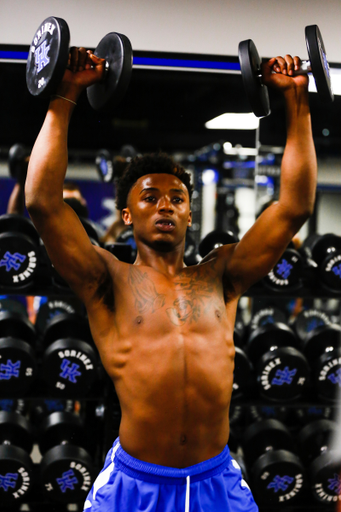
(178, 199)
(149, 198)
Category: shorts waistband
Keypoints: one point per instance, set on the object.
(163, 474)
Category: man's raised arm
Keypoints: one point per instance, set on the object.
(66, 241)
(261, 247)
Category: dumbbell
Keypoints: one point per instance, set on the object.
(267, 412)
(257, 92)
(325, 250)
(287, 274)
(13, 304)
(314, 442)
(18, 158)
(69, 363)
(16, 405)
(282, 370)
(309, 319)
(66, 469)
(48, 59)
(18, 366)
(243, 375)
(276, 473)
(53, 307)
(15, 462)
(215, 239)
(322, 348)
(43, 407)
(265, 316)
(19, 246)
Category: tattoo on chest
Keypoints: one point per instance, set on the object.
(145, 294)
(197, 288)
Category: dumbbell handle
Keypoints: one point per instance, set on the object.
(305, 68)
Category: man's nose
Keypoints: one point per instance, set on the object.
(165, 204)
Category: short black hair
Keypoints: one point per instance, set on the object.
(154, 163)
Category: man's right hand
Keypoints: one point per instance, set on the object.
(84, 69)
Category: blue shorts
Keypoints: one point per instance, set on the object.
(126, 484)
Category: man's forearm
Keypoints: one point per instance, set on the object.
(299, 166)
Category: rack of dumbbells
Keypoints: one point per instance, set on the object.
(53, 389)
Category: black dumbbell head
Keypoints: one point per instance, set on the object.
(287, 273)
(264, 436)
(267, 315)
(308, 320)
(267, 336)
(216, 239)
(242, 375)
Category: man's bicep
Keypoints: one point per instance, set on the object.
(261, 247)
(70, 250)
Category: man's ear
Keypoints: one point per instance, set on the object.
(189, 222)
(126, 217)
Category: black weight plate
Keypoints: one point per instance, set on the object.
(18, 260)
(66, 474)
(14, 306)
(330, 272)
(116, 49)
(282, 374)
(55, 307)
(242, 373)
(265, 316)
(127, 237)
(320, 339)
(270, 335)
(13, 222)
(250, 65)
(16, 325)
(265, 412)
(278, 477)
(15, 429)
(18, 367)
(322, 245)
(327, 375)
(67, 325)
(16, 474)
(325, 479)
(216, 239)
(319, 63)
(311, 413)
(48, 57)
(308, 320)
(263, 436)
(286, 273)
(69, 367)
(58, 427)
(315, 436)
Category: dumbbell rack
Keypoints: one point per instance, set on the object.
(103, 411)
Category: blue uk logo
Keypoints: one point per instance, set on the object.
(7, 481)
(69, 371)
(337, 270)
(284, 269)
(10, 369)
(280, 483)
(335, 378)
(335, 484)
(11, 260)
(67, 481)
(41, 57)
(284, 376)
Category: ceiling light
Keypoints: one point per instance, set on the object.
(233, 121)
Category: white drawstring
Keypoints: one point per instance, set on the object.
(188, 481)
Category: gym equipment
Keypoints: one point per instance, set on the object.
(15, 463)
(325, 250)
(18, 158)
(257, 92)
(48, 58)
(16, 405)
(267, 412)
(286, 274)
(322, 348)
(216, 239)
(307, 320)
(282, 370)
(243, 373)
(239, 331)
(105, 165)
(54, 307)
(18, 367)
(13, 305)
(276, 473)
(41, 408)
(267, 315)
(19, 246)
(66, 469)
(70, 359)
(314, 441)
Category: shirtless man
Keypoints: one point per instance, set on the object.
(165, 332)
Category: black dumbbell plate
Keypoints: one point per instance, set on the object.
(256, 92)
(319, 63)
(116, 49)
(47, 57)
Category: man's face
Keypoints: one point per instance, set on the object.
(158, 207)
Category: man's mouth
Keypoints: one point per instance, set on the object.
(165, 224)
